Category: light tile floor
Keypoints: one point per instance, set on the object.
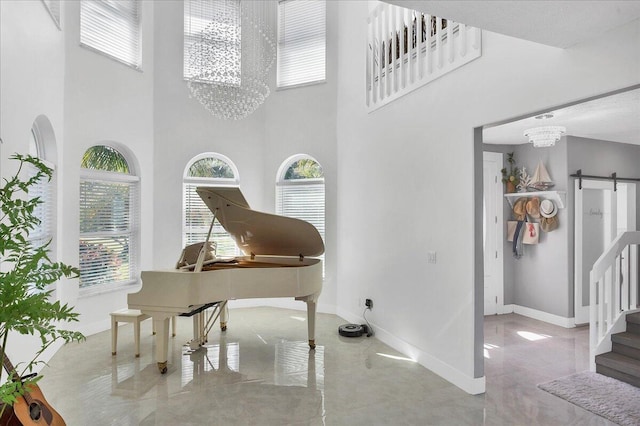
(260, 372)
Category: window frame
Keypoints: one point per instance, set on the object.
(133, 232)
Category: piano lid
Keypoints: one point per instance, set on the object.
(261, 233)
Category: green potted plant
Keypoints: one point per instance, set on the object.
(512, 177)
(26, 305)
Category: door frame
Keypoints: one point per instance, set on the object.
(498, 158)
(581, 313)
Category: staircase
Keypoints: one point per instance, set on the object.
(623, 362)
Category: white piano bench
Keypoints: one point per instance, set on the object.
(136, 317)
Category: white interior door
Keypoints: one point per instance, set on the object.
(600, 215)
(492, 233)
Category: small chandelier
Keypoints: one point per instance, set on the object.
(542, 137)
(232, 51)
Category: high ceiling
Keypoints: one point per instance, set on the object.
(561, 24)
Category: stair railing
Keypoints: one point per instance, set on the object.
(407, 49)
(609, 294)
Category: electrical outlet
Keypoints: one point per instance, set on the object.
(368, 303)
(431, 257)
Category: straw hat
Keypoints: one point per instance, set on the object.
(548, 209)
(548, 224)
(533, 207)
(520, 209)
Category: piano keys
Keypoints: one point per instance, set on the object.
(278, 261)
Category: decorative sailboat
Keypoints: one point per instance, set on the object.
(541, 181)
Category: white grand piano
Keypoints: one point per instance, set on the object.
(278, 261)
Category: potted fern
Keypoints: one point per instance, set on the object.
(26, 305)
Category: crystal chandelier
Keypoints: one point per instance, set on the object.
(542, 137)
(231, 52)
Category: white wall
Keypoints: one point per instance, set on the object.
(105, 102)
(31, 84)
(541, 276)
(292, 121)
(406, 173)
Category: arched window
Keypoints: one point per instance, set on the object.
(208, 169)
(300, 191)
(43, 233)
(109, 205)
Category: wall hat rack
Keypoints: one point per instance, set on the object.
(614, 177)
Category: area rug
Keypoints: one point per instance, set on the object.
(609, 398)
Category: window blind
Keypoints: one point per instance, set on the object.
(44, 189)
(112, 27)
(53, 6)
(219, 49)
(196, 220)
(108, 230)
(303, 199)
(301, 42)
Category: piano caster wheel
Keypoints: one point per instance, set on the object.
(312, 344)
(223, 326)
(162, 366)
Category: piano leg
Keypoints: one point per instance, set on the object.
(224, 315)
(311, 301)
(161, 325)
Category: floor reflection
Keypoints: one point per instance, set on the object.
(261, 371)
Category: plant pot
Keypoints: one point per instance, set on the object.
(511, 188)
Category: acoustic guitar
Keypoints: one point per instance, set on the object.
(30, 409)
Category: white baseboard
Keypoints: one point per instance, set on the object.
(540, 315)
(473, 386)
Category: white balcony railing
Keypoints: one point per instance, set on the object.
(407, 49)
(613, 291)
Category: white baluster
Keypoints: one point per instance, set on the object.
(428, 46)
(439, 41)
(593, 313)
(615, 293)
(406, 70)
(610, 294)
(462, 39)
(382, 59)
(394, 40)
(633, 278)
(450, 42)
(601, 316)
(419, 45)
(369, 67)
(476, 38)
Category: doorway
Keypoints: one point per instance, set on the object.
(492, 233)
(600, 215)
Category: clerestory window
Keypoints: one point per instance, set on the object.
(113, 29)
(302, 40)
